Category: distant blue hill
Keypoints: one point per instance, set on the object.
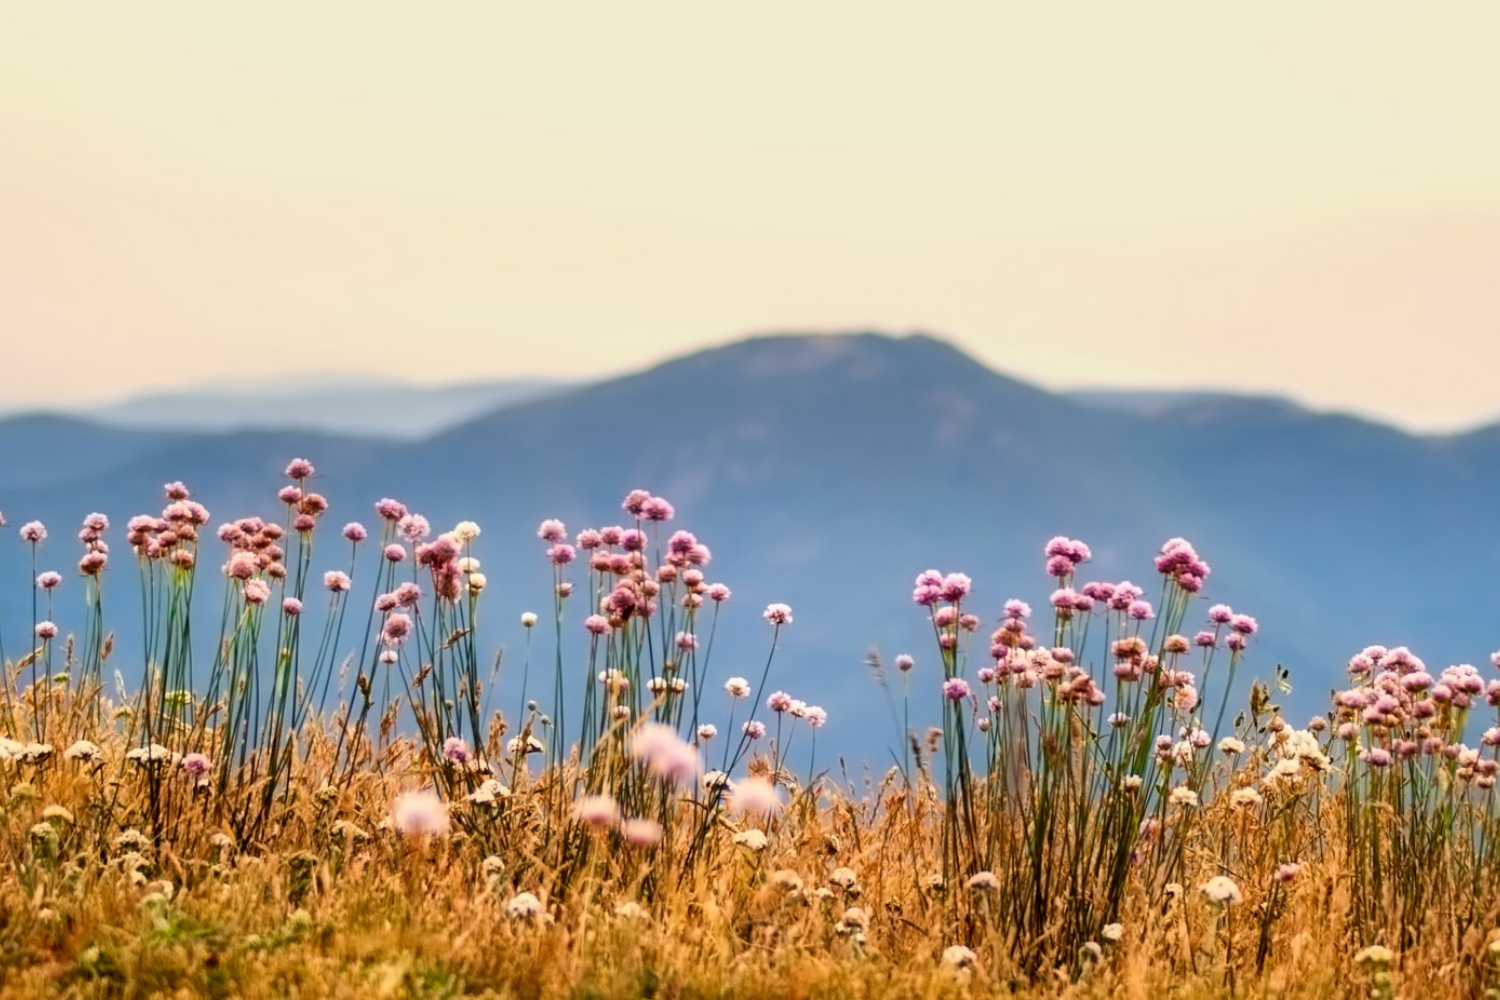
(827, 471)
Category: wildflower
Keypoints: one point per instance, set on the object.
(336, 581)
(955, 689)
(641, 832)
(153, 754)
(488, 792)
(397, 627)
(529, 745)
(46, 630)
(1182, 795)
(1112, 932)
(56, 812)
(1288, 871)
(1140, 611)
(528, 619)
(754, 795)
(1221, 890)
(1376, 955)
(49, 580)
(456, 750)
(1131, 782)
(854, 918)
(737, 687)
(629, 910)
(658, 747)
(754, 729)
(196, 765)
(33, 532)
(523, 906)
(904, 662)
(752, 839)
(779, 702)
(983, 880)
(1229, 746)
(1244, 797)
(958, 956)
(787, 879)
(420, 812)
(299, 468)
(552, 531)
(717, 592)
(778, 614)
(816, 716)
(83, 750)
(596, 811)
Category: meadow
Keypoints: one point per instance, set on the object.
(1073, 807)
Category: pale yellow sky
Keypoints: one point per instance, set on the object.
(1288, 196)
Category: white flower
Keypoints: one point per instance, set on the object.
(737, 687)
(752, 839)
(842, 877)
(629, 910)
(35, 753)
(531, 745)
(787, 879)
(983, 880)
(1112, 932)
(528, 619)
(1244, 797)
(153, 754)
(492, 865)
(1221, 890)
(83, 750)
(1182, 795)
(958, 956)
(1376, 954)
(1230, 745)
(488, 791)
(466, 531)
(58, 813)
(523, 906)
(1131, 782)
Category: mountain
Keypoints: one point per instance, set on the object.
(827, 471)
(365, 407)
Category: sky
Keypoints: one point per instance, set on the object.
(1292, 197)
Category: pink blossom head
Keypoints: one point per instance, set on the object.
(413, 528)
(397, 627)
(456, 750)
(552, 531)
(390, 510)
(408, 594)
(303, 523)
(417, 813)
(299, 468)
(336, 581)
(49, 580)
(291, 607)
(778, 614)
(641, 832)
(754, 796)
(176, 491)
(597, 811)
(33, 532)
(355, 532)
(754, 729)
(663, 753)
(590, 539)
(717, 592)
(289, 494)
(904, 662)
(46, 630)
(611, 535)
(597, 624)
(1140, 611)
(561, 555)
(93, 562)
(196, 765)
(815, 716)
(955, 587)
(1220, 614)
(257, 592)
(1244, 624)
(657, 509)
(1235, 642)
(1059, 566)
(779, 701)
(1017, 609)
(955, 689)
(394, 553)
(635, 502)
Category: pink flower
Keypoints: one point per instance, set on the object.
(46, 630)
(687, 641)
(641, 832)
(1017, 609)
(718, 593)
(635, 502)
(657, 509)
(416, 813)
(390, 510)
(755, 729)
(955, 587)
(355, 532)
(257, 591)
(552, 530)
(754, 795)
(176, 491)
(1220, 614)
(397, 627)
(33, 532)
(336, 580)
(597, 624)
(413, 528)
(955, 689)
(658, 747)
(196, 765)
(561, 555)
(456, 750)
(779, 702)
(904, 662)
(1140, 611)
(49, 580)
(289, 494)
(598, 811)
(816, 716)
(299, 468)
(778, 614)
(291, 607)
(1243, 624)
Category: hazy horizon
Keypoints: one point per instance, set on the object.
(1286, 200)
